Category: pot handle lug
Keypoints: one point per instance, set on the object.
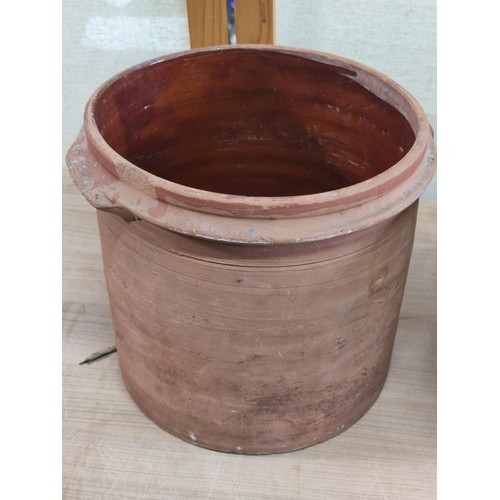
(92, 179)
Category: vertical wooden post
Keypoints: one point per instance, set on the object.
(207, 19)
(254, 21)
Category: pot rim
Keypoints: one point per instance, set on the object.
(173, 206)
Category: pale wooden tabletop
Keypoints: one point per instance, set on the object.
(111, 450)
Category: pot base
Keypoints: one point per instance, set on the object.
(219, 441)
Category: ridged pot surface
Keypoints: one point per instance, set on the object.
(257, 208)
(255, 350)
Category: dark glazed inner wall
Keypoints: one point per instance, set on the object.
(251, 123)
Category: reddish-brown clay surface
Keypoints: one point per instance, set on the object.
(257, 211)
(255, 349)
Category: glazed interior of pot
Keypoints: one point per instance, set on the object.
(252, 123)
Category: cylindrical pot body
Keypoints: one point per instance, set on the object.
(257, 209)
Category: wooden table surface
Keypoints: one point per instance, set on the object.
(111, 450)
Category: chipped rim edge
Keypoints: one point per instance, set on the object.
(113, 183)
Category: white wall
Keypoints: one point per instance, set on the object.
(102, 37)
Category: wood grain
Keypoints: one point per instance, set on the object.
(207, 20)
(111, 450)
(254, 20)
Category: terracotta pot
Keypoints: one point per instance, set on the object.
(257, 208)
